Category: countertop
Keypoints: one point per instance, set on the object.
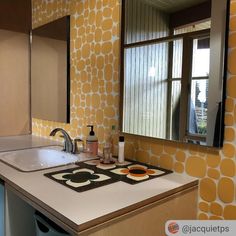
(80, 211)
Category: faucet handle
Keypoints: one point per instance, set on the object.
(75, 146)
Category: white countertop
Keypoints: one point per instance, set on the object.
(81, 210)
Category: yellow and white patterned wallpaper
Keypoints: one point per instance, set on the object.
(95, 41)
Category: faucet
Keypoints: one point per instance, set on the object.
(68, 145)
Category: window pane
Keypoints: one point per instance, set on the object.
(201, 58)
(175, 108)
(177, 58)
(145, 90)
(144, 21)
(198, 107)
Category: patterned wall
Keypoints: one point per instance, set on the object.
(95, 42)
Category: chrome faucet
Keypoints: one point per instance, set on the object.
(68, 145)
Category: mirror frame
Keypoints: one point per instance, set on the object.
(217, 143)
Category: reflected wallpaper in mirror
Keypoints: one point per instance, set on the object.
(50, 71)
(173, 69)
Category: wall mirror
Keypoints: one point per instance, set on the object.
(173, 69)
(50, 71)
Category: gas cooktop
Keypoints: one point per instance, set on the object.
(93, 174)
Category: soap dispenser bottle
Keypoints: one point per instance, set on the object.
(92, 142)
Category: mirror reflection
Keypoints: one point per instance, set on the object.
(50, 67)
(173, 55)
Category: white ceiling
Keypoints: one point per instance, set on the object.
(173, 5)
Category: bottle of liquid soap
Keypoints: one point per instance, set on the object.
(92, 142)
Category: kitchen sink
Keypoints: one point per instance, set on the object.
(38, 158)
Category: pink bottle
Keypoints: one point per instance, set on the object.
(92, 142)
